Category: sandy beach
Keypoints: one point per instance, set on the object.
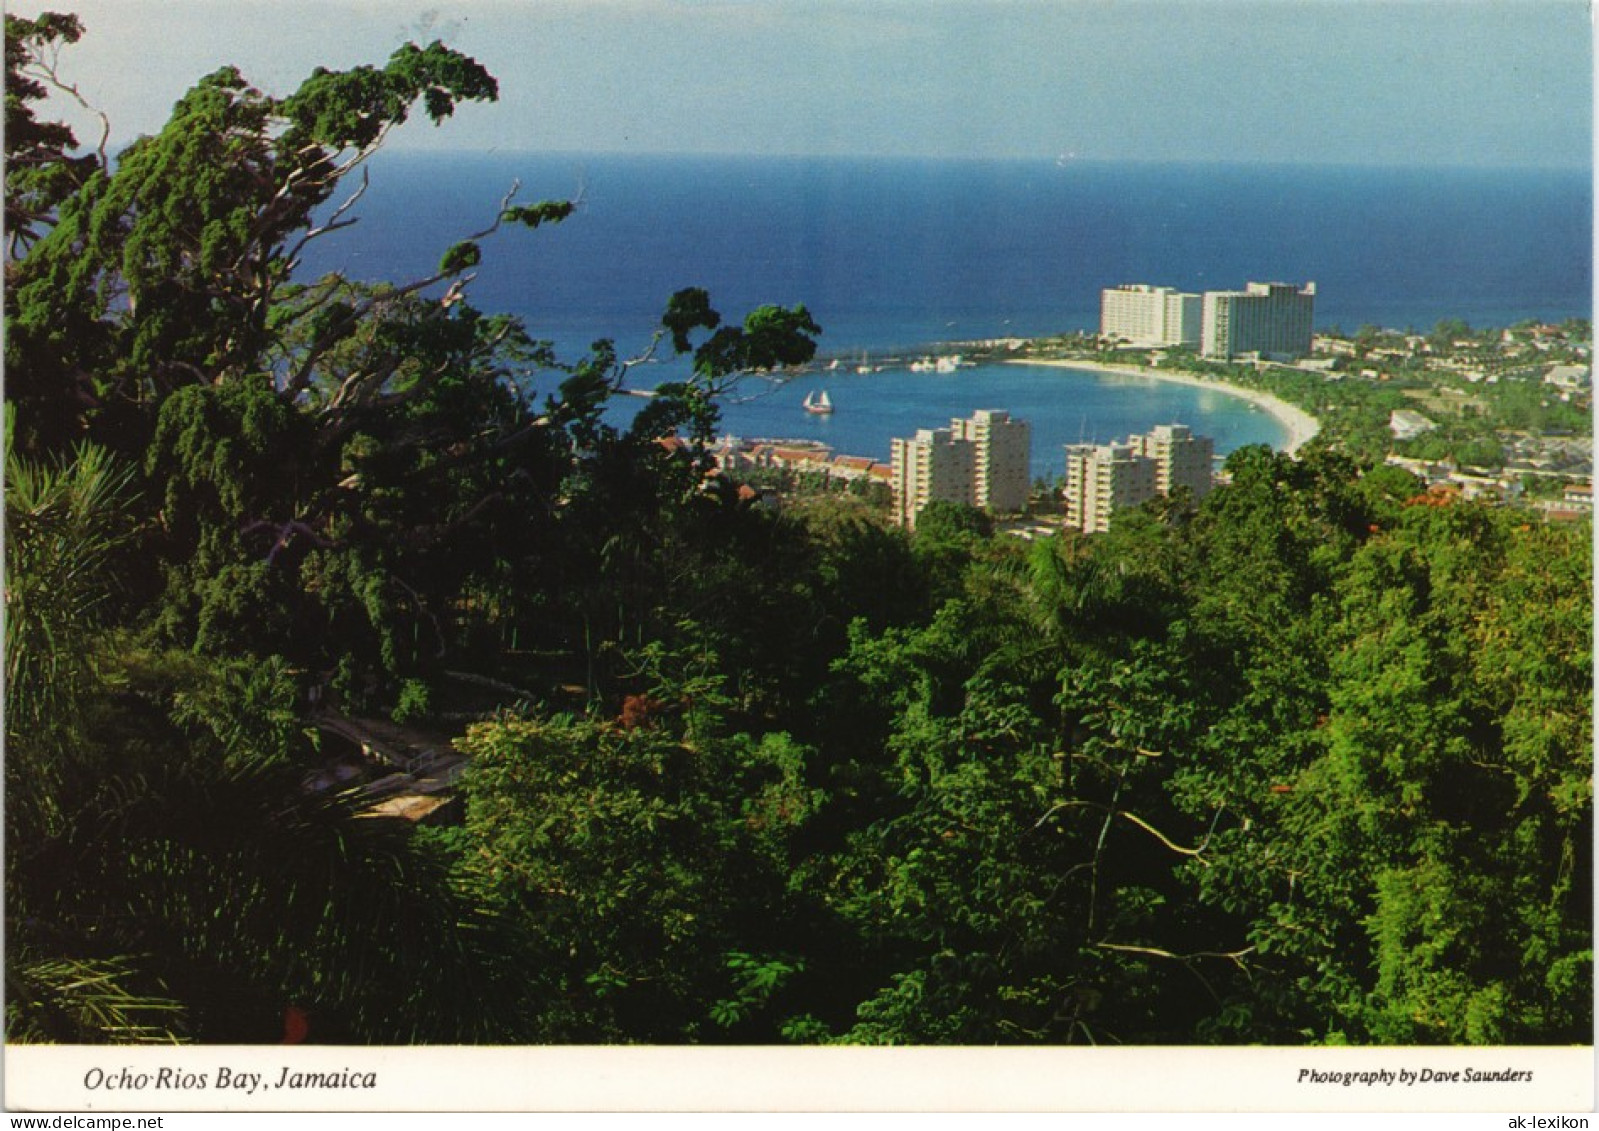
(1300, 424)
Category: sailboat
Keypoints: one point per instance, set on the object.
(819, 405)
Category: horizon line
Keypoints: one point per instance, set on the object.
(1062, 161)
(115, 146)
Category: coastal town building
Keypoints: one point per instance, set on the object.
(1407, 424)
(1269, 319)
(1102, 479)
(1182, 459)
(1569, 377)
(982, 461)
(934, 464)
(1001, 458)
(797, 457)
(1143, 315)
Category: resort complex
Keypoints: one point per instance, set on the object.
(1269, 319)
(1143, 315)
(1265, 319)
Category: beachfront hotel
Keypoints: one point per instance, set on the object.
(1270, 319)
(1102, 479)
(982, 461)
(1150, 316)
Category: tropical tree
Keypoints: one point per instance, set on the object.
(300, 483)
(647, 854)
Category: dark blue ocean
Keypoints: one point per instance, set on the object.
(891, 255)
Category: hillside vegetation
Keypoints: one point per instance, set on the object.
(1308, 762)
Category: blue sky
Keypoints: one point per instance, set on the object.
(1426, 82)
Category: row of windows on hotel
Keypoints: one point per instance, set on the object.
(1269, 319)
(983, 461)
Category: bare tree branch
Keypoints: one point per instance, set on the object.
(1158, 835)
(1236, 957)
(421, 607)
(48, 71)
(286, 533)
(301, 378)
(1111, 812)
(334, 222)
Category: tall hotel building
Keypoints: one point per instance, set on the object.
(1182, 459)
(1272, 319)
(1150, 316)
(1001, 458)
(1102, 479)
(934, 464)
(983, 461)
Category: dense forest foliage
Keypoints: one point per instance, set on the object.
(1307, 762)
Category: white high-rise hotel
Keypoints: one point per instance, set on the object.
(1102, 479)
(982, 461)
(1181, 458)
(1149, 316)
(934, 464)
(1272, 319)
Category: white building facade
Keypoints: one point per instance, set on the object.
(1102, 479)
(1150, 316)
(1001, 459)
(983, 461)
(934, 464)
(1182, 459)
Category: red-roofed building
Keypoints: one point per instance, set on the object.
(852, 467)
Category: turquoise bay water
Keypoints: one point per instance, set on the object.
(1064, 406)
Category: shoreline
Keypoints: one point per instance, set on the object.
(1301, 426)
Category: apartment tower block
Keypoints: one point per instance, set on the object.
(934, 464)
(1182, 459)
(983, 461)
(1102, 479)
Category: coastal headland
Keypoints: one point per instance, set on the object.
(1300, 425)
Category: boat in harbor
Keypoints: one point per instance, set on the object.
(938, 364)
(818, 405)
